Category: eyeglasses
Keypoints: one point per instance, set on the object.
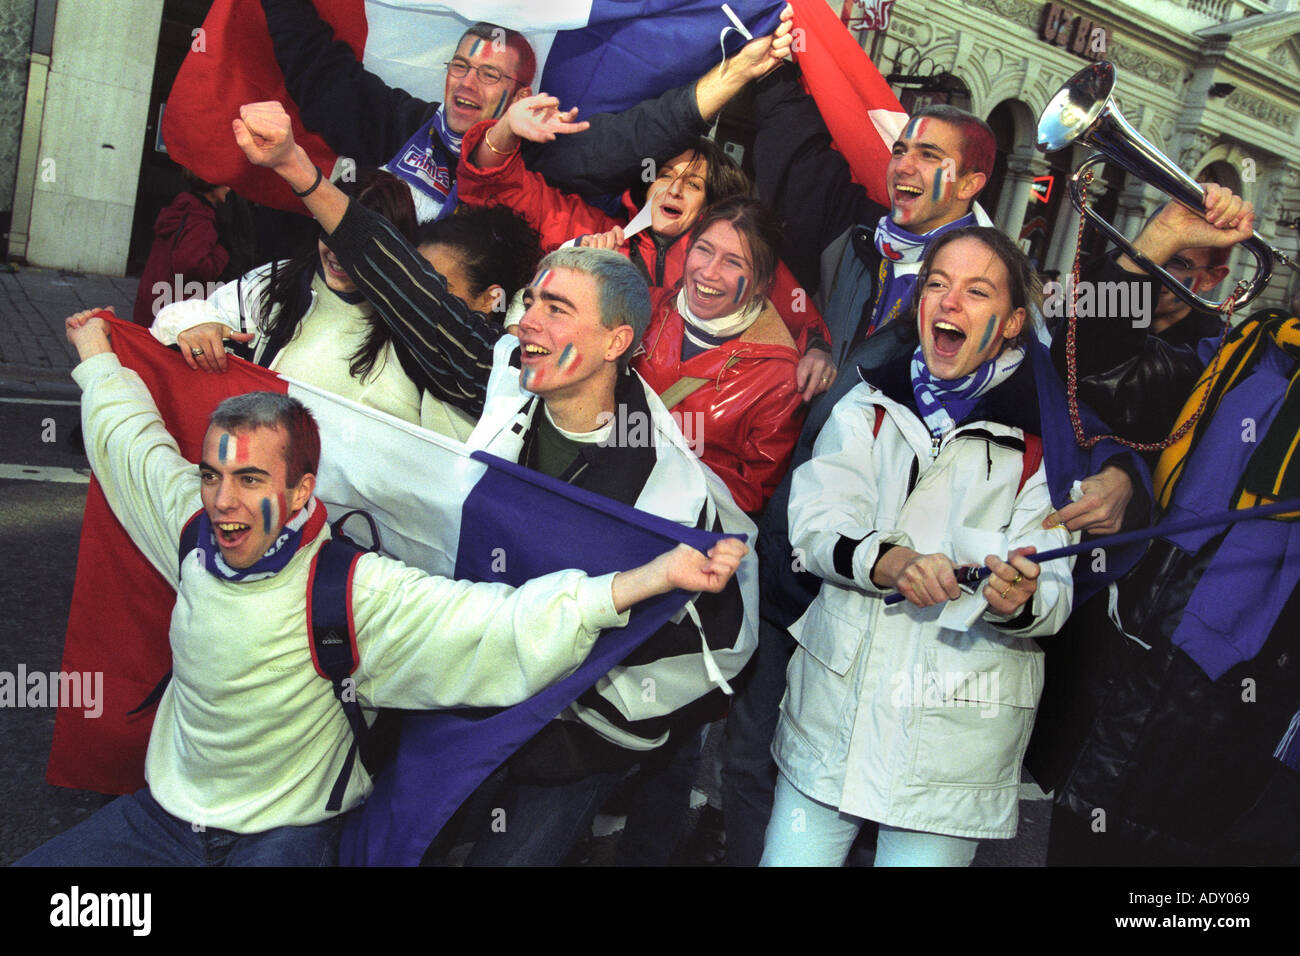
(487, 75)
(1185, 265)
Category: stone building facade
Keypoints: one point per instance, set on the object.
(1210, 83)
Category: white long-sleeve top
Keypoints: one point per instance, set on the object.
(248, 736)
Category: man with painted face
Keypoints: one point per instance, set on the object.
(249, 741)
(363, 118)
(560, 400)
(861, 260)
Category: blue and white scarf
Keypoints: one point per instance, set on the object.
(945, 403)
(901, 253)
(286, 545)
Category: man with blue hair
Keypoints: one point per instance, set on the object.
(559, 399)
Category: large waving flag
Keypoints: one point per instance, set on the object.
(860, 110)
(438, 507)
(599, 55)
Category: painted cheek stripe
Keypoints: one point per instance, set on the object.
(938, 183)
(740, 289)
(501, 105)
(266, 515)
(284, 506)
(568, 358)
(990, 330)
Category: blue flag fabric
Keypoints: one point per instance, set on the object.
(516, 524)
(635, 49)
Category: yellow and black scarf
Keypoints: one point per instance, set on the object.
(1273, 471)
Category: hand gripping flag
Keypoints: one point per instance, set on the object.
(860, 110)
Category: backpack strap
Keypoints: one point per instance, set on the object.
(333, 636)
(1032, 458)
(189, 541)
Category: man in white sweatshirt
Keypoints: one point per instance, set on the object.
(249, 739)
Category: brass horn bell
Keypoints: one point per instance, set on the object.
(1084, 110)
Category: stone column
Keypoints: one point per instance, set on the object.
(96, 107)
(1022, 166)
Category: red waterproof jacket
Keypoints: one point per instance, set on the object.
(185, 249)
(559, 216)
(744, 423)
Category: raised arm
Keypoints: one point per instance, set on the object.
(150, 487)
(356, 112)
(613, 151)
(556, 215)
(801, 176)
(450, 344)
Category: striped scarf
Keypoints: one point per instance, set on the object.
(301, 529)
(1273, 471)
(945, 403)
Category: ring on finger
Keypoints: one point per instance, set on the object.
(196, 351)
(1018, 578)
(1007, 590)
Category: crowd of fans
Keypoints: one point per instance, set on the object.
(874, 400)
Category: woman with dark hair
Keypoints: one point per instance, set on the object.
(305, 318)
(917, 717)
(486, 254)
(491, 170)
(721, 359)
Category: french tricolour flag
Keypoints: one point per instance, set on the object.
(439, 507)
(598, 55)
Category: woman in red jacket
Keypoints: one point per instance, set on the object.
(491, 171)
(719, 355)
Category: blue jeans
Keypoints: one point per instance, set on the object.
(135, 831)
(806, 832)
(539, 824)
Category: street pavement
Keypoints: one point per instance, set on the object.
(42, 486)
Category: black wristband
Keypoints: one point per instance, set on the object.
(310, 189)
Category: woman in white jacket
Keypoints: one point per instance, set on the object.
(917, 715)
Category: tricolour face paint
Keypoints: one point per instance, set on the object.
(542, 279)
(241, 447)
(532, 378)
(478, 45)
(740, 289)
(223, 447)
(266, 515)
(938, 190)
(284, 506)
(568, 359)
(502, 104)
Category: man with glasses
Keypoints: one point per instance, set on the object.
(373, 124)
(361, 117)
